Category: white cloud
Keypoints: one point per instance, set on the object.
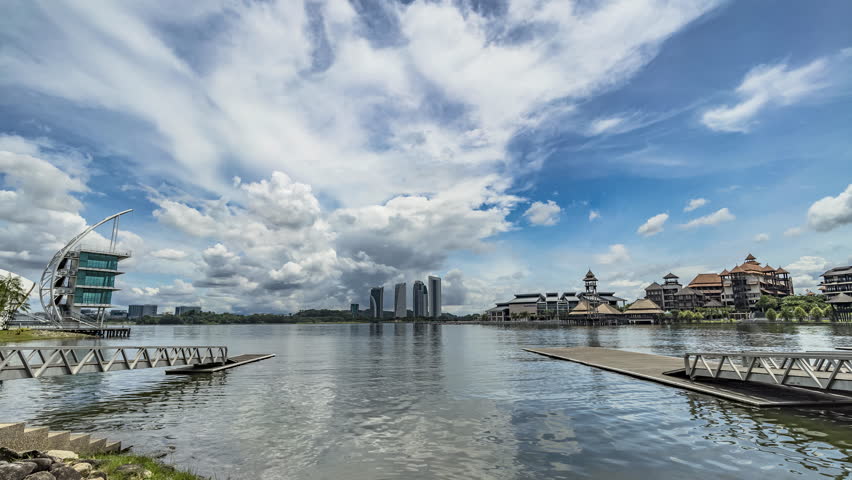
(715, 218)
(694, 204)
(766, 86)
(603, 125)
(169, 254)
(831, 212)
(761, 237)
(617, 254)
(808, 264)
(653, 226)
(594, 215)
(793, 232)
(544, 213)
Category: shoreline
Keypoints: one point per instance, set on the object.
(14, 335)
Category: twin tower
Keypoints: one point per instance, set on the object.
(426, 300)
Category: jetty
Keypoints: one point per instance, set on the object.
(749, 383)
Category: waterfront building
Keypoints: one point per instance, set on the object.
(499, 313)
(435, 296)
(525, 305)
(709, 285)
(744, 284)
(139, 311)
(186, 309)
(837, 288)
(689, 299)
(118, 313)
(420, 299)
(643, 310)
(82, 277)
(400, 310)
(552, 306)
(377, 302)
(354, 309)
(664, 295)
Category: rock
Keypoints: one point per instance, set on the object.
(40, 476)
(83, 468)
(91, 461)
(42, 464)
(98, 475)
(32, 454)
(7, 455)
(63, 454)
(16, 471)
(64, 472)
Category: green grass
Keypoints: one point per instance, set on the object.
(26, 335)
(160, 471)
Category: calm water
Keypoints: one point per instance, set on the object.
(420, 401)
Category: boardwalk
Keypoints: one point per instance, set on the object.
(669, 371)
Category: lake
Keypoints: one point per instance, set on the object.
(410, 401)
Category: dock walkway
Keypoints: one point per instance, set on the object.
(670, 371)
(232, 362)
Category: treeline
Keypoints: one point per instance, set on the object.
(304, 316)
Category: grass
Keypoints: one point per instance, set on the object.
(26, 335)
(159, 471)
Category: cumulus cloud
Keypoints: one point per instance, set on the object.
(805, 272)
(617, 254)
(715, 218)
(544, 213)
(831, 212)
(766, 86)
(793, 232)
(694, 204)
(653, 226)
(169, 254)
(594, 215)
(761, 237)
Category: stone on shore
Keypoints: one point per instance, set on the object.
(63, 454)
(64, 472)
(98, 475)
(138, 471)
(40, 476)
(42, 463)
(7, 455)
(15, 471)
(83, 468)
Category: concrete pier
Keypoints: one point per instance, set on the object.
(670, 371)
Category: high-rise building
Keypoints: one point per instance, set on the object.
(435, 296)
(353, 309)
(186, 309)
(139, 311)
(377, 302)
(400, 309)
(420, 300)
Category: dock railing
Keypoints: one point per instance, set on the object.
(819, 370)
(34, 362)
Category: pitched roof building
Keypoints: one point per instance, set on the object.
(744, 284)
(709, 285)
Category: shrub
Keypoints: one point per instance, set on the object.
(771, 315)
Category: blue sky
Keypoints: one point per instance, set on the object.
(281, 155)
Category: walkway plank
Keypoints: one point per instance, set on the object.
(232, 362)
(669, 371)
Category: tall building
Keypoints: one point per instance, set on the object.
(377, 302)
(664, 295)
(186, 309)
(80, 277)
(400, 309)
(420, 300)
(837, 287)
(709, 285)
(139, 311)
(353, 309)
(435, 296)
(745, 284)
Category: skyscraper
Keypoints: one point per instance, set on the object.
(377, 302)
(435, 296)
(400, 310)
(420, 300)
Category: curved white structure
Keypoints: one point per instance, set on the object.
(58, 281)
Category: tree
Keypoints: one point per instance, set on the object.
(787, 314)
(771, 315)
(13, 298)
(766, 302)
(816, 313)
(800, 314)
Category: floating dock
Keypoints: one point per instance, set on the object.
(232, 362)
(103, 332)
(670, 371)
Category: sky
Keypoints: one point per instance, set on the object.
(282, 155)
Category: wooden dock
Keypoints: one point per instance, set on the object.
(232, 362)
(103, 332)
(670, 371)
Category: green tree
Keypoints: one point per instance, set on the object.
(800, 313)
(13, 298)
(766, 302)
(771, 315)
(816, 313)
(787, 314)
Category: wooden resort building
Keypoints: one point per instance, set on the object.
(837, 287)
(744, 284)
(709, 285)
(643, 311)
